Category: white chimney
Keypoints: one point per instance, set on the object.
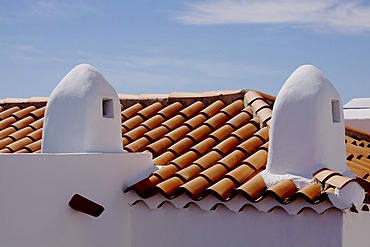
(82, 115)
(307, 134)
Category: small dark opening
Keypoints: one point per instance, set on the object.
(335, 110)
(84, 205)
(107, 108)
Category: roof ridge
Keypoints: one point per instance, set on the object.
(357, 133)
(185, 98)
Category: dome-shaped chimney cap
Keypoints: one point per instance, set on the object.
(82, 114)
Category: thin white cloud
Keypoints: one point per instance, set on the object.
(345, 16)
(147, 62)
(26, 48)
(52, 8)
(45, 10)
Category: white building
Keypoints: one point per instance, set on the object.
(206, 187)
(357, 113)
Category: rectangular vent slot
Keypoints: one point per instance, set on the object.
(107, 108)
(335, 110)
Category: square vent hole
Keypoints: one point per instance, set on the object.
(107, 108)
(335, 110)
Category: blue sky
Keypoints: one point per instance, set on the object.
(165, 46)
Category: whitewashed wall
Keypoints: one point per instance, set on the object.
(356, 229)
(168, 226)
(35, 190)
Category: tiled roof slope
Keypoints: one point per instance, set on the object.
(214, 143)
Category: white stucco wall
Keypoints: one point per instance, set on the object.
(169, 226)
(356, 229)
(35, 190)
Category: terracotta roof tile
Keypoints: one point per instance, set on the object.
(265, 114)
(136, 146)
(149, 111)
(362, 166)
(200, 133)
(284, 189)
(253, 188)
(206, 144)
(216, 121)
(358, 169)
(15, 146)
(233, 108)
(259, 104)
(311, 191)
(196, 121)
(6, 132)
(241, 173)
(251, 96)
(189, 172)
(170, 110)
(24, 122)
(6, 141)
(179, 133)
(212, 109)
(159, 146)
(5, 150)
(156, 133)
(131, 111)
(174, 122)
(181, 146)
(24, 112)
(227, 145)
(338, 181)
(250, 145)
(35, 135)
(6, 113)
(192, 110)
(33, 147)
(153, 122)
(37, 124)
(208, 159)
(257, 160)
(185, 159)
(222, 133)
(136, 133)
(21, 133)
(38, 113)
(166, 172)
(223, 188)
(195, 186)
(131, 123)
(325, 174)
(214, 173)
(233, 159)
(7, 122)
(169, 186)
(245, 131)
(164, 158)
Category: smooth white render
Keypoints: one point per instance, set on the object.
(358, 103)
(303, 136)
(351, 194)
(35, 190)
(307, 133)
(357, 113)
(356, 229)
(168, 226)
(75, 121)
